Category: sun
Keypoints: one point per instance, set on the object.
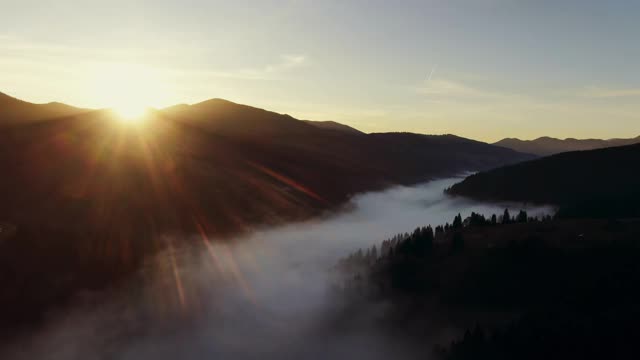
(128, 89)
(130, 113)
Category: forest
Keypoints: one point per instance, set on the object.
(601, 183)
(512, 286)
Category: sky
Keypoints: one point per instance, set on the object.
(483, 69)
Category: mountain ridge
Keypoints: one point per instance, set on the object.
(333, 125)
(546, 145)
(14, 111)
(93, 197)
(243, 148)
(591, 183)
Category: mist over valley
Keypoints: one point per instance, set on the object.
(266, 295)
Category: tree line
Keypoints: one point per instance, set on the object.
(570, 286)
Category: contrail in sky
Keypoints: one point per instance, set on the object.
(433, 70)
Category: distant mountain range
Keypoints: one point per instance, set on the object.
(544, 146)
(233, 165)
(86, 198)
(594, 183)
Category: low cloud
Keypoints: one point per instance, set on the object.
(265, 296)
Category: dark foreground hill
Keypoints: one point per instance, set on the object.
(548, 146)
(87, 197)
(493, 289)
(601, 183)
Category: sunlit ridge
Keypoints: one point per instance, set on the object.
(130, 113)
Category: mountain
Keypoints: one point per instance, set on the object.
(332, 125)
(87, 197)
(228, 118)
(601, 182)
(14, 111)
(236, 166)
(548, 146)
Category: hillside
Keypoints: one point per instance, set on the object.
(228, 118)
(91, 196)
(545, 146)
(332, 125)
(600, 182)
(15, 112)
(215, 154)
(520, 288)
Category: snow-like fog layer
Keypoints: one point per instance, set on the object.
(266, 296)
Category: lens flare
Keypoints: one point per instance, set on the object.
(128, 89)
(130, 113)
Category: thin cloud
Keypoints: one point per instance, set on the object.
(286, 62)
(441, 87)
(266, 72)
(444, 89)
(433, 70)
(605, 93)
(16, 51)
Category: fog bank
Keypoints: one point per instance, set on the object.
(265, 296)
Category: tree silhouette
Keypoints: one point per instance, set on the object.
(506, 217)
(457, 243)
(522, 217)
(457, 222)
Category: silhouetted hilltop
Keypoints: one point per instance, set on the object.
(332, 125)
(243, 165)
(600, 182)
(228, 118)
(545, 145)
(14, 111)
